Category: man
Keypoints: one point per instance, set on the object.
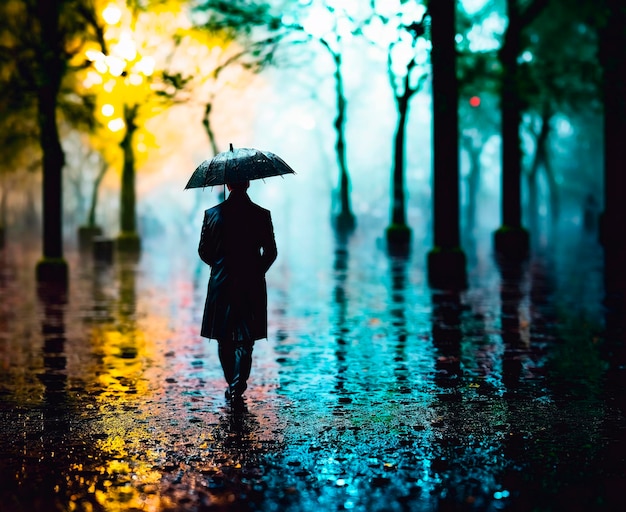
(237, 241)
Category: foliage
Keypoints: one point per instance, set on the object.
(21, 72)
(559, 63)
(126, 73)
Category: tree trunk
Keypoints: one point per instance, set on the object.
(445, 125)
(128, 214)
(533, 173)
(129, 239)
(511, 239)
(473, 182)
(91, 219)
(446, 262)
(345, 219)
(613, 41)
(511, 118)
(208, 128)
(398, 210)
(52, 267)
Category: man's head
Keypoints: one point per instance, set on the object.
(240, 186)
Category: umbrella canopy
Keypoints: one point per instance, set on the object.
(237, 165)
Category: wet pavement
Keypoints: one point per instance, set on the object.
(372, 393)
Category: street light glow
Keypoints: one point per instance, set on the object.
(107, 110)
(145, 66)
(135, 79)
(116, 65)
(126, 47)
(115, 125)
(112, 14)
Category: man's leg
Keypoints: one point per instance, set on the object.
(241, 367)
(226, 353)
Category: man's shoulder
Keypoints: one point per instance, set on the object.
(214, 209)
(260, 209)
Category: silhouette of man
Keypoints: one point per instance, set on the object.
(237, 241)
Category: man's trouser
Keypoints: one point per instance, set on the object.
(236, 360)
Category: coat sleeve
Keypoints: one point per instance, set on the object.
(205, 248)
(268, 243)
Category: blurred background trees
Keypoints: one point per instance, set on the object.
(100, 87)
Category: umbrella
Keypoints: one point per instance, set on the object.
(237, 165)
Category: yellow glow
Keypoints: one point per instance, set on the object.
(145, 66)
(107, 110)
(94, 55)
(126, 47)
(101, 66)
(135, 79)
(115, 64)
(92, 79)
(112, 14)
(117, 124)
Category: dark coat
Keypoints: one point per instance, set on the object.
(238, 243)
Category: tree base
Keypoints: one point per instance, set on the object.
(447, 268)
(53, 271)
(345, 222)
(86, 235)
(398, 238)
(128, 242)
(102, 249)
(512, 243)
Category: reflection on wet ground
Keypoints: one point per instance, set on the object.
(373, 392)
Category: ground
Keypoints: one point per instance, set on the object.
(372, 392)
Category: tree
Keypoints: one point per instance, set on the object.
(403, 32)
(511, 239)
(324, 22)
(39, 40)
(446, 262)
(559, 74)
(612, 43)
(478, 78)
(227, 39)
(130, 89)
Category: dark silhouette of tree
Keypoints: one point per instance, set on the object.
(39, 39)
(446, 262)
(233, 26)
(511, 239)
(612, 44)
(332, 42)
(259, 31)
(407, 58)
(559, 75)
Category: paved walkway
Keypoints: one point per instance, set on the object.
(372, 393)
